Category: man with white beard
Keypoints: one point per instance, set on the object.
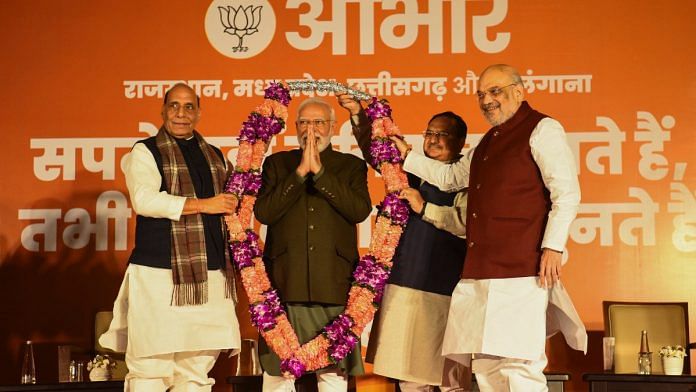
(311, 199)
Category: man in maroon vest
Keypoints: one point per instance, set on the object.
(523, 196)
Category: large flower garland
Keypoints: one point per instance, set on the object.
(340, 336)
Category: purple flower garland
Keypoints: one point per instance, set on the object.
(368, 274)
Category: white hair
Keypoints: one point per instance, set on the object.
(319, 102)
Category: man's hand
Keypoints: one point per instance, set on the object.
(401, 144)
(303, 167)
(550, 268)
(314, 159)
(223, 203)
(349, 103)
(310, 162)
(414, 199)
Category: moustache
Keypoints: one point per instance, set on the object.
(490, 106)
(304, 138)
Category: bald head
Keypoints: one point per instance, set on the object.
(182, 86)
(504, 69)
(500, 93)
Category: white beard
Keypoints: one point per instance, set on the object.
(322, 142)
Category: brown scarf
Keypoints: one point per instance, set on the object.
(189, 261)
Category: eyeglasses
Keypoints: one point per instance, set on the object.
(174, 107)
(317, 124)
(428, 134)
(493, 91)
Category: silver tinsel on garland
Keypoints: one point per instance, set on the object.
(334, 87)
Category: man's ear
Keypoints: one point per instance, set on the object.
(519, 92)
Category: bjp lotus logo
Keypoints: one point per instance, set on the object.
(234, 28)
(240, 22)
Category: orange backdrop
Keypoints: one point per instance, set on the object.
(85, 80)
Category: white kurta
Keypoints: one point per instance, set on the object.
(144, 318)
(511, 317)
(406, 338)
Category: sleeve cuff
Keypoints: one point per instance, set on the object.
(355, 120)
(300, 179)
(422, 211)
(318, 175)
(177, 208)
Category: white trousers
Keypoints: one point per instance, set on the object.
(176, 372)
(328, 380)
(455, 378)
(498, 374)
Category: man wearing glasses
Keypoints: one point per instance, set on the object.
(523, 196)
(406, 337)
(311, 199)
(175, 310)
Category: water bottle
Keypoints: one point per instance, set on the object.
(644, 355)
(248, 363)
(80, 372)
(28, 369)
(73, 371)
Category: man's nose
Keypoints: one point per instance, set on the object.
(487, 98)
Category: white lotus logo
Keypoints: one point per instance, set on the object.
(241, 22)
(234, 27)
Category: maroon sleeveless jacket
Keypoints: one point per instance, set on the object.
(508, 204)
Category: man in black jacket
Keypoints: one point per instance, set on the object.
(312, 198)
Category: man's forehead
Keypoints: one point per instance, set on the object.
(440, 123)
(313, 109)
(181, 93)
(494, 78)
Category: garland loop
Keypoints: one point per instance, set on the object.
(338, 338)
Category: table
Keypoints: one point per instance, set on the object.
(612, 382)
(97, 386)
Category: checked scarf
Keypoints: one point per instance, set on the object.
(189, 261)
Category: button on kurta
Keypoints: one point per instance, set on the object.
(311, 227)
(311, 247)
(471, 244)
(311, 209)
(474, 215)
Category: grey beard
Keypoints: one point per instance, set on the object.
(321, 143)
